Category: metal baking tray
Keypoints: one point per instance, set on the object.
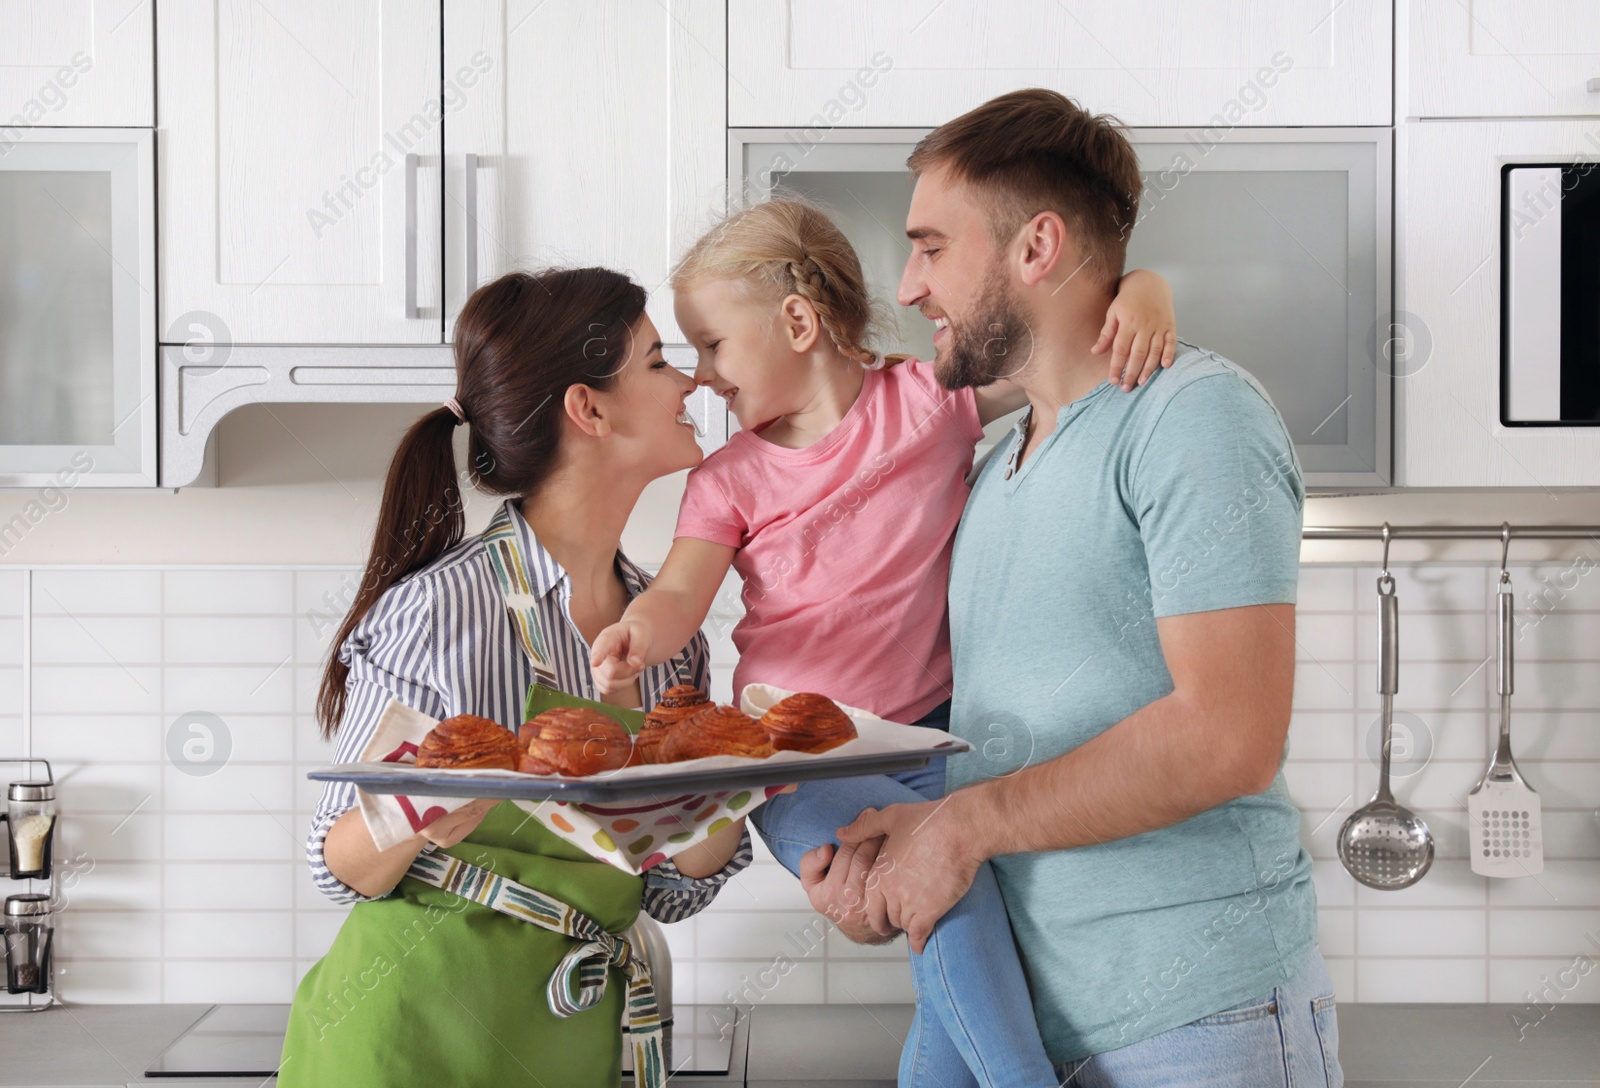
(505, 785)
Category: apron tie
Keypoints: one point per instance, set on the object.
(581, 977)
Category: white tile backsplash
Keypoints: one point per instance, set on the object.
(220, 934)
(96, 982)
(95, 689)
(228, 593)
(226, 885)
(265, 688)
(1554, 932)
(242, 981)
(104, 738)
(1391, 978)
(1401, 933)
(11, 590)
(191, 887)
(1545, 982)
(1573, 834)
(10, 642)
(1435, 587)
(76, 592)
(96, 640)
(227, 640)
(1461, 636)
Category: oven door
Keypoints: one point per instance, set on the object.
(1276, 242)
(1550, 295)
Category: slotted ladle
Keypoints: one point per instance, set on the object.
(1383, 844)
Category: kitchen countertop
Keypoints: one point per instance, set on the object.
(856, 1046)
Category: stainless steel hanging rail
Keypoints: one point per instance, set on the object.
(1451, 532)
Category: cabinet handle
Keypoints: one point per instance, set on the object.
(472, 223)
(1594, 84)
(411, 236)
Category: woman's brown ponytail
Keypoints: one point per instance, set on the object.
(520, 341)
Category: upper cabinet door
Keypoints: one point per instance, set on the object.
(300, 151)
(1504, 58)
(77, 309)
(581, 132)
(75, 62)
(1149, 62)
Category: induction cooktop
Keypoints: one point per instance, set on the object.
(247, 1041)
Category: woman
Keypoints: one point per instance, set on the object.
(572, 411)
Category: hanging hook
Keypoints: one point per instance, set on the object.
(1385, 579)
(1505, 547)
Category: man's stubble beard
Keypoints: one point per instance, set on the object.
(993, 344)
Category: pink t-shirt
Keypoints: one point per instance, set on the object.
(844, 546)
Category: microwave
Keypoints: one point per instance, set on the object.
(1550, 295)
(1277, 243)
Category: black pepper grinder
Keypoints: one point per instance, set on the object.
(28, 932)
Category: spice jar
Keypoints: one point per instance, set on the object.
(28, 932)
(30, 819)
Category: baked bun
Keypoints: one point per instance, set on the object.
(467, 740)
(574, 741)
(677, 704)
(715, 731)
(807, 722)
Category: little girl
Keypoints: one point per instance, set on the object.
(837, 503)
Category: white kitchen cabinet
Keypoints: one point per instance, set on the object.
(1503, 58)
(300, 157)
(77, 314)
(581, 133)
(825, 63)
(1447, 325)
(87, 63)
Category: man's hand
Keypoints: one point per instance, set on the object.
(836, 882)
(924, 866)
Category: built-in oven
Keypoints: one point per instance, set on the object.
(1550, 295)
(1277, 243)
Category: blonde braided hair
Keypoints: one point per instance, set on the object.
(789, 247)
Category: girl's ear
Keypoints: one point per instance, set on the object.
(800, 323)
(584, 408)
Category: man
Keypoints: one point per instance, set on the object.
(1122, 621)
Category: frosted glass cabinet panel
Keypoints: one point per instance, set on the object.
(1277, 247)
(77, 309)
(1276, 243)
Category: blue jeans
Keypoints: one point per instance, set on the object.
(1286, 1036)
(974, 1023)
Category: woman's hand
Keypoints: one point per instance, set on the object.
(713, 855)
(452, 827)
(1141, 329)
(353, 858)
(619, 652)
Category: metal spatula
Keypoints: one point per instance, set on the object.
(1502, 809)
(1385, 845)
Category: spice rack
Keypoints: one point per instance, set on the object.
(28, 920)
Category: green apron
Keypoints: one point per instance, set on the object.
(425, 987)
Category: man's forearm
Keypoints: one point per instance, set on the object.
(1159, 766)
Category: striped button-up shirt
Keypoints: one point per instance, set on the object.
(440, 641)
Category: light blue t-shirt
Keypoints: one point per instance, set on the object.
(1181, 496)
